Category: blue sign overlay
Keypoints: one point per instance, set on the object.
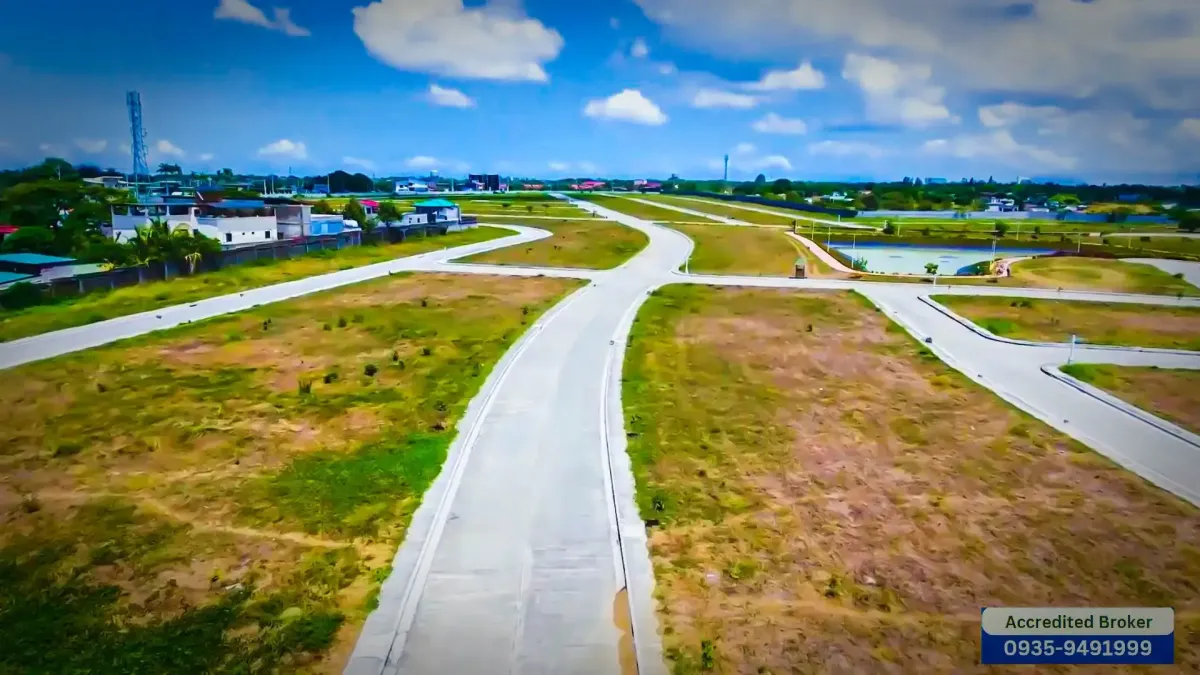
(1070, 636)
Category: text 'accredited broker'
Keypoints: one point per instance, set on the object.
(1077, 635)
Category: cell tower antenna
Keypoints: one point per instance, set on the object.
(726, 178)
(141, 167)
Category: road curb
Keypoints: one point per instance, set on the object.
(1127, 408)
(975, 328)
(384, 633)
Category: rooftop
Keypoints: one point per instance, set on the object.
(34, 259)
(9, 277)
(437, 204)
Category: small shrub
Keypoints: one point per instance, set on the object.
(1178, 275)
(341, 322)
(22, 295)
(395, 356)
(440, 406)
(426, 351)
(400, 364)
(101, 388)
(1145, 239)
(358, 318)
(809, 329)
(304, 386)
(708, 655)
(327, 327)
(30, 504)
(330, 377)
(525, 310)
(889, 228)
(424, 302)
(266, 324)
(370, 369)
(67, 449)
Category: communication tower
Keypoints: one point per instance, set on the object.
(141, 167)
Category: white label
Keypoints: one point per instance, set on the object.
(1079, 620)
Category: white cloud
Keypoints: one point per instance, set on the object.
(422, 162)
(1190, 127)
(1009, 114)
(744, 148)
(639, 50)
(52, 149)
(284, 148)
(774, 124)
(283, 22)
(716, 98)
(365, 164)
(1037, 46)
(897, 93)
(1000, 145)
(449, 97)
(803, 77)
(205, 157)
(91, 146)
(614, 23)
(745, 158)
(125, 149)
(584, 168)
(628, 105)
(588, 167)
(559, 166)
(667, 69)
(846, 149)
(492, 42)
(243, 11)
(165, 147)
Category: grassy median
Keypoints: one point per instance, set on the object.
(590, 244)
(1105, 323)
(227, 496)
(732, 249)
(1172, 394)
(823, 494)
(640, 210)
(103, 305)
(1096, 274)
(728, 210)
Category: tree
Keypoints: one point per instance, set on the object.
(1001, 228)
(781, 186)
(888, 227)
(931, 268)
(1188, 221)
(171, 169)
(354, 211)
(389, 212)
(322, 207)
(760, 180)
(29, 240)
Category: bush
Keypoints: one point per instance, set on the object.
(889, 228)
(370, 369)
(21, 295)
(305, 386)
(330, 377)
(426, 351)
(341, 322)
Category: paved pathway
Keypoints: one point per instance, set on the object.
(516, 559)
(691, 212)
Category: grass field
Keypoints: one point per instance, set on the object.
(637, 209)
(101, 306)
(823, 495)
(1097, 274)
(595, 244)
(1168, 393)
(1026, 227)
(1094, 322)
(730, 249)
(727, 210)
(227, 496)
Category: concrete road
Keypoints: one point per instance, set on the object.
(783, 213)
(691, 212)
(47, 345)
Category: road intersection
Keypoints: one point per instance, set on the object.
(527, 554)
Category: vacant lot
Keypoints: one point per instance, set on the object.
(592, 244)
(487, 209)
(638, 210)
(727, 210)
(730, 249)
(227, 496)
(1100, 323)
(1098, 275)
(1171, 394)
(145, 297)
(825, 496)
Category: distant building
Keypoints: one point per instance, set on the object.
(999, 204)
(38, 268)
(114, 182)
(233, 222)
(935, 181)
(298, 220)
(589, 185)
(439, 211)
(533, 186)
(650, 186)
(485, 181)
(411, 186)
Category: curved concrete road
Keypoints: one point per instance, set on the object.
(516, 559)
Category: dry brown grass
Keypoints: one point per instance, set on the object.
(1171, 394)
(840, 501)
(182, 466)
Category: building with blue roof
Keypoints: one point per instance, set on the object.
(439, 211)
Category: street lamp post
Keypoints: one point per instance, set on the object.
(1071, 354)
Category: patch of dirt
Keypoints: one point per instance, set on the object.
(875, 501)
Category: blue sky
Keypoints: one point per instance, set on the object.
(810, 89)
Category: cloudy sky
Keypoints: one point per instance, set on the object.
(1102, 90)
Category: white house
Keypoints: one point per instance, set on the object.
(231, 222)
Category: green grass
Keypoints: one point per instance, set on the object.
(637, 209)
(729, 249)
(102, 305)
(728, 210)
(1094, 322)
(591, 244)
(1098, 274)
(820, 488)
(1172, 394)
(227, 495)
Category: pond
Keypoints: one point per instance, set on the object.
(905, 259)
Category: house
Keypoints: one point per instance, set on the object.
(836, 197)
(298, 220)
(233, 222)
(6, 230)
(411, 186)
(589, 185)
(533, 186)
(38, 268)
(439, 211)
(650, 186)
(999, 204)
(113, 182)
